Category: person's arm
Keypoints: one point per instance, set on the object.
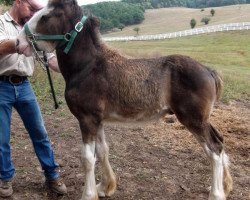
(7, 46)
(53, 64)
(7, 43)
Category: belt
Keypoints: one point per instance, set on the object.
(13, 79)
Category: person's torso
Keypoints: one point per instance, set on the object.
(13, 64)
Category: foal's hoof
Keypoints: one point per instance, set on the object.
(104, 191)
(93, 195)
(216, 197)
(90, 198)
(101, 190)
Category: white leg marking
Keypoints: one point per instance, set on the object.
(226, 161)
(107, 186)
(217, 189)
(88, 162)
(227, 179)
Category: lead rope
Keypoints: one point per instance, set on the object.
(41, 61)
(46, 64)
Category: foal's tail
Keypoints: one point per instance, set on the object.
(218, 82)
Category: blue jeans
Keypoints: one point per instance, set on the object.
(22, 98)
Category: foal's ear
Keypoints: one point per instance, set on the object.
(60, 1)
(63, 2)
(55, 1)
(95, 22)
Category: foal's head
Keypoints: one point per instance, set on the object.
(59, 17)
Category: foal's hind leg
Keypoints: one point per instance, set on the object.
(193, 118)
(221, 178)
(107, 186)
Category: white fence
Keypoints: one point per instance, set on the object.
(196, 31)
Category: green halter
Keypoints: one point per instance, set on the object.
(68, 38)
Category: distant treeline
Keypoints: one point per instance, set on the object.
(116, 14)
(127, 12)
(147, 4)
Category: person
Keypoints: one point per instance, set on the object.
(16, 92)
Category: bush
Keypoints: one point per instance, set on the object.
(205, 20)
(193, 23)
(136, 29)
(121, 26)
(212, 11)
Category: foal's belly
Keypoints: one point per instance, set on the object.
(142, 116)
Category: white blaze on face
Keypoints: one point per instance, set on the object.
(24, 47)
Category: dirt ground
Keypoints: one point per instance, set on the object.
(159, 161)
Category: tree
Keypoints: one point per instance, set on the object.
(193, 23)
(121, 26)
(136, 29)
(106, 25)
(112, 14)
(205, 20)
(212, 11)
(7, 2)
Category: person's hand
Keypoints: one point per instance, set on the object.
(8, 46)
(53, 64)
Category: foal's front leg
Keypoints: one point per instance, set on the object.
(88, 159)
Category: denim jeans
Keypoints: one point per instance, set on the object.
(22, 98)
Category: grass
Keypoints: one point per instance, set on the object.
(42, 88)
(166, 20)
(228, 53)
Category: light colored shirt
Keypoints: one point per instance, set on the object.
(13, 64)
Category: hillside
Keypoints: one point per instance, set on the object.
(175, 19)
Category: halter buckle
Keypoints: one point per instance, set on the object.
(79, 26)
